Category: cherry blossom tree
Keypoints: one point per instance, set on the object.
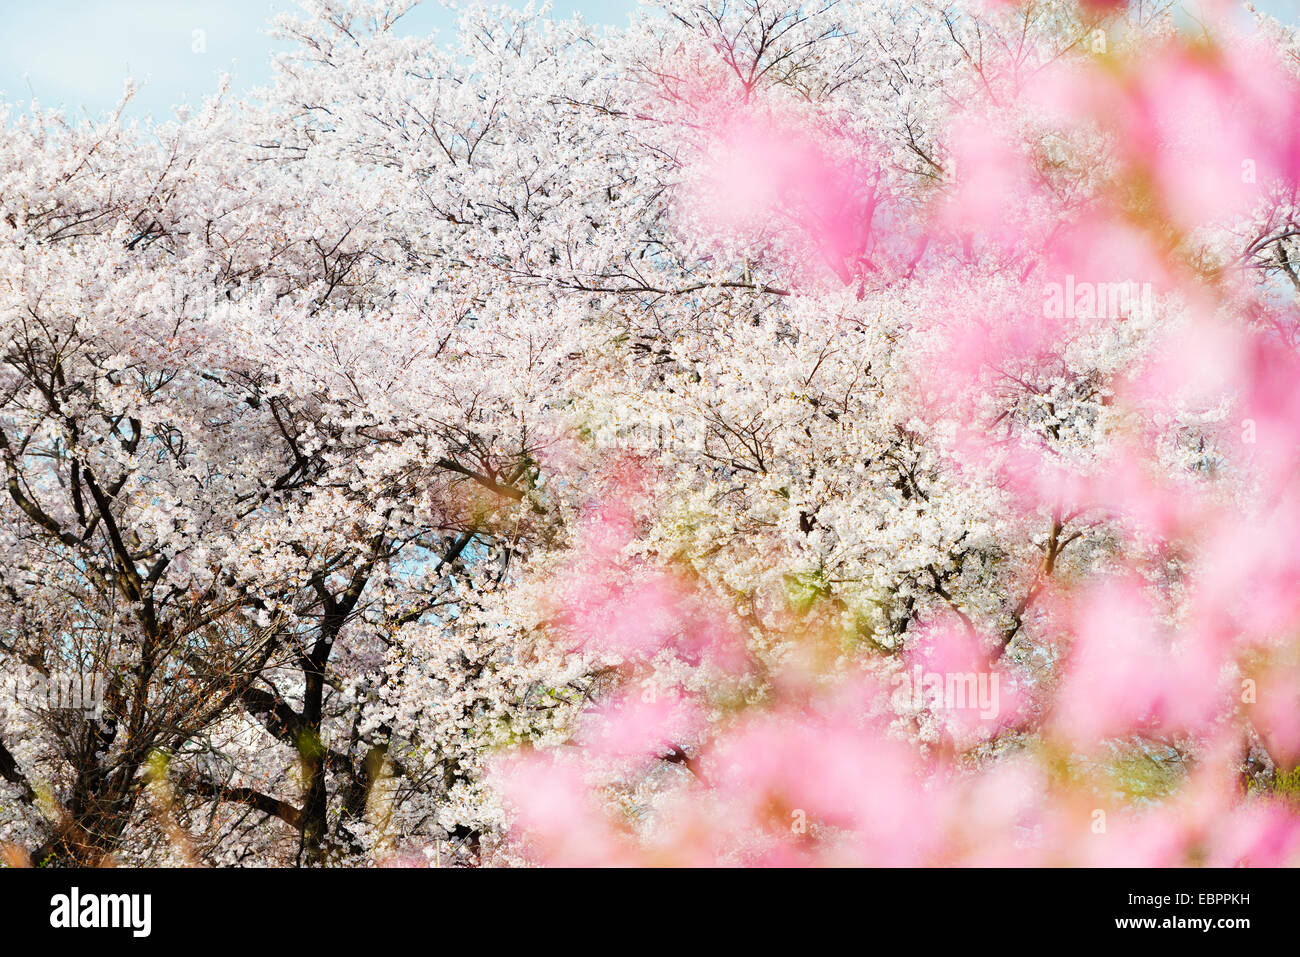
(766, 433)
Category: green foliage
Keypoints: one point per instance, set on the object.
(1284, 785)
(1144, 776)
(804, 589)
(310, 746)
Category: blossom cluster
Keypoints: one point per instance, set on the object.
(766, 433)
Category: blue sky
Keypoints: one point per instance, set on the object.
(76, 53)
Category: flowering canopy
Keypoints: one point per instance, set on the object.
(836, 433)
